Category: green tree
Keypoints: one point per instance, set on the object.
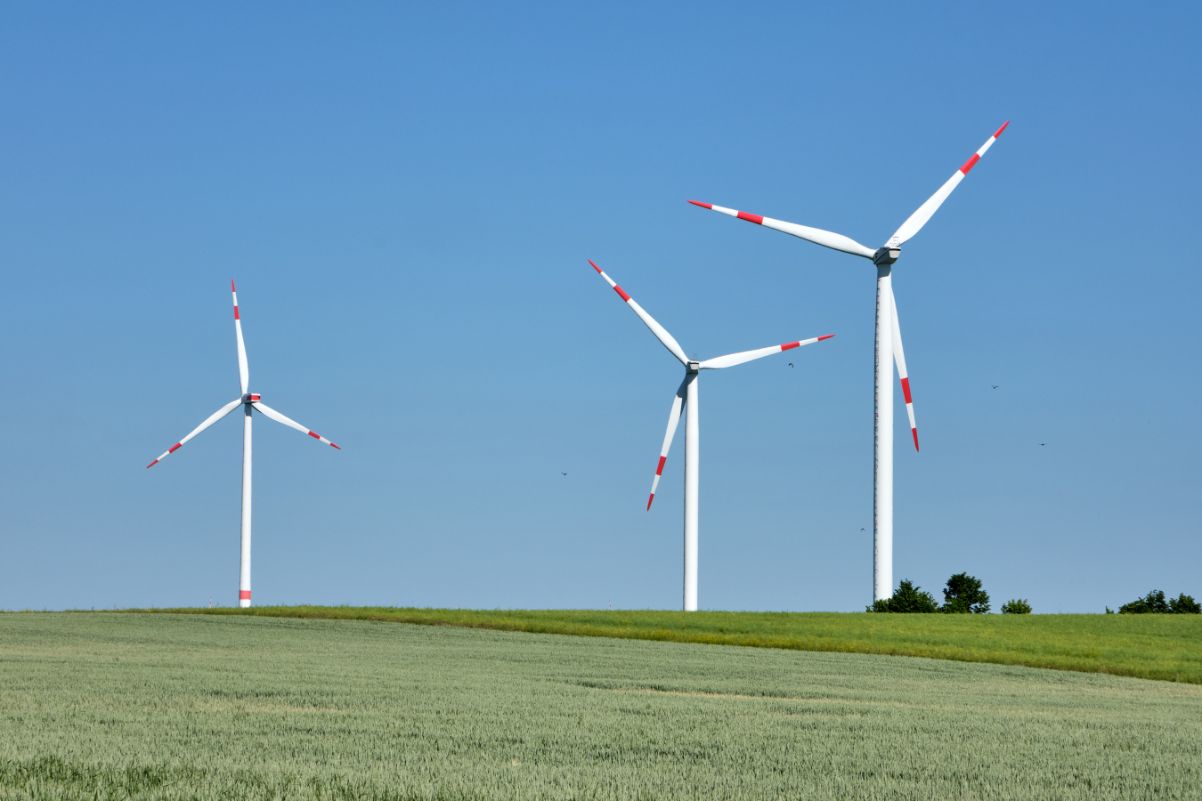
(1185, 605)
(964, 593)
(1154, 603)
(1016, 606)
(907, 598)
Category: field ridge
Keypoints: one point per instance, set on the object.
(1162, 647)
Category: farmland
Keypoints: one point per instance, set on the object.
(161, 706)
(1144, 646)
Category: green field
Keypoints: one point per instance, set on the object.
(141, 706)
(1165, 647)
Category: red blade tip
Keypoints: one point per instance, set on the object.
(152, 464)
(335, 445)
(825, 336)
(594, 265)
(232, 287)
(702, 205)
(649, 500)
(914, 431)
(999, 130)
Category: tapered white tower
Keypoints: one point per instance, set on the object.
(888, 349)
(687, 399)
(249, 402)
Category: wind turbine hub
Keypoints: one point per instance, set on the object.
(886, 255)
(693, 367)
(251, 397)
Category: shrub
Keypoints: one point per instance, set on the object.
(908, 598)
(1016, 606)
(963, 594)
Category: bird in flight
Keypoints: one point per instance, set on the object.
(995, 386)
(562, 473)
(790, 364)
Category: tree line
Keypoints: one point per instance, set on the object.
(964, 594)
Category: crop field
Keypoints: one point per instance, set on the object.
(1145, 646)
(142, 706)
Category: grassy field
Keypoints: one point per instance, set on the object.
(139, 706)
(1165, 647)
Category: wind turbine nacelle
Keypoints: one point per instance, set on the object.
(251, 397)
(693, 367)
(885, 256)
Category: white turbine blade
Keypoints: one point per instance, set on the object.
(243, 367)
(673, 421)
(731, 359)
(213, 418)
(660, 332)
(919, 218)
(272, 414)
(818, 236)
(899, 356)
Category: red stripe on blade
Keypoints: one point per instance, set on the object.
(236, 317)
(152, 464)
(594, 264)
(659, 468)
(755, 218)
(243, 595)
(335, 445)
(649, 500)
(315, 435)
(702, 205)
(790, 345)
(968, 165)
(175, 447)
(905, 382)
(825, 336)
(914, 431)
(999, 130)
(232, 287)
(621, 293)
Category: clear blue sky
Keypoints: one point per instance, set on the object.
(407, 196)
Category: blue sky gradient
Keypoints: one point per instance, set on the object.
(407, 196)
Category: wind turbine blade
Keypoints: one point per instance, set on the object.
(660, 332)
(673, 421)
(272, 414)
(213, 418)
(899, 356)
(243, 367)
(919, 218)
(818, 236)
(731, 359)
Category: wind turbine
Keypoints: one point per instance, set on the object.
(686, 397)
(250, 402)
(888, 349)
